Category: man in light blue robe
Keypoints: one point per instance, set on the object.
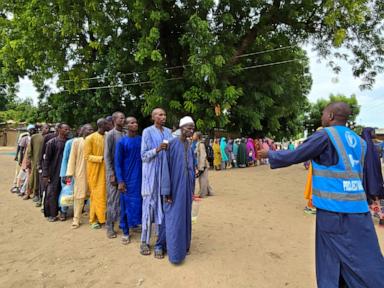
(63, 174)
(178, 184)
(154, 143)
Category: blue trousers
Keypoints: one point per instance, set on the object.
(347, 251)
(161, 242)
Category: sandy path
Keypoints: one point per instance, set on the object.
(253, 233)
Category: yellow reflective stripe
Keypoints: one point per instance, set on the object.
(334, 174)
(340, 145)
(340, 196)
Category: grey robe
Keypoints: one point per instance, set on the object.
(113, 195)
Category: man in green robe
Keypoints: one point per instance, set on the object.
(34, 155)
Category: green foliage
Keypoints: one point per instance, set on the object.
(185, 56)
(20, 111)
(312, 119)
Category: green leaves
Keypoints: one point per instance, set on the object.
(205, 58)
(232, 93)
(312, 119)
(156, 56)
(339, 37)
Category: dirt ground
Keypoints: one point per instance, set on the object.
(252, 233)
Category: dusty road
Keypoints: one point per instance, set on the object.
(253, 233)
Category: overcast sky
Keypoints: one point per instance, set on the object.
(326, 82)
(371, 101)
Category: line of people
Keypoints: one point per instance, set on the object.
(238, 153)
(133, 180)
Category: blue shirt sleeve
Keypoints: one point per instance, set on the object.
(147, 152)
(317, 147)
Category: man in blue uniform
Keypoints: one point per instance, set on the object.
(347, 249)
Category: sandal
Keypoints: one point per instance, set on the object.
(145, 249)
(15, 190)
(75, 225)
(51, 219)
(159, 253)
(125, 239)
(63, 216)
(111, 234)
(95, 226)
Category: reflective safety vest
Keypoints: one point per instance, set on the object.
(339, 188)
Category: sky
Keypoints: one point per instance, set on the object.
(325, 82)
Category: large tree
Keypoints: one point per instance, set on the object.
(196, 57)
(20, 111)
(312, 119)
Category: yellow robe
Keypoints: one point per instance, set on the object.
(77, 169)
(308, 187)
(93, 153)
(216, 154)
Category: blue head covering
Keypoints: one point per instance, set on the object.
(223, 145)
(30, 126)
(373, 177)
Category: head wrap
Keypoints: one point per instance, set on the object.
(30, 126)
(373, 177)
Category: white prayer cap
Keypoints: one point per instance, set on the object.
(186, 120)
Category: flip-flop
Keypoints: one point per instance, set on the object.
(15, 190)
(125, 239)
(159, 253)
(111, 235)
(75, 226)
(95, 226)
(145, 249)
(52, 219)
(62, 217)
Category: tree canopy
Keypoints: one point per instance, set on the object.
(20, 111)
(313, 117)
(234, 64)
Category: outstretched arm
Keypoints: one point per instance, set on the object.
(310, 149)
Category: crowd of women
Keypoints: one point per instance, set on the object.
(237, 153)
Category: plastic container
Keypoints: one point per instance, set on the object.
(195, 209)
(66, 195)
